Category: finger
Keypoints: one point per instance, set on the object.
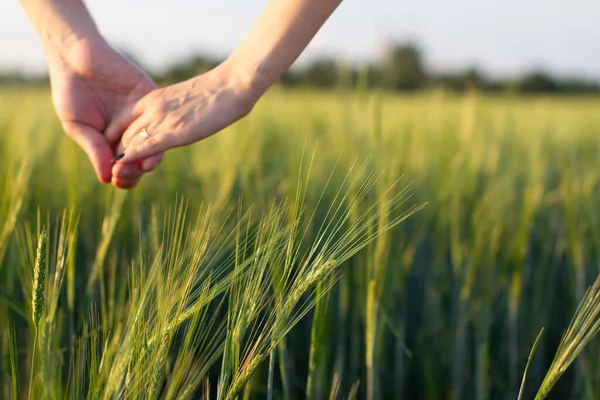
(137, 147)
(127, 171)
(95, 146)
(125, 183)
(150, 163)
(147, 165)
(131, 133)
(121, 122)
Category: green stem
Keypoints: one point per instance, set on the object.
(32, 361)
(271, 370)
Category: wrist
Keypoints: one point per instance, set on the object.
(248, 77)
(60, 25)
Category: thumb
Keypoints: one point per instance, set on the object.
(96, 147)
(120, 122)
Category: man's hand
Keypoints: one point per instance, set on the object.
(91, 84)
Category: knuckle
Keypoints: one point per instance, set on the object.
(149, 98)
(158, 107)
(164, 107)
(69, 128)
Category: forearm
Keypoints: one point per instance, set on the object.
(59, 23)
(277, 38)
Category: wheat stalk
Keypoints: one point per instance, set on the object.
(39, 294)
(39, 279)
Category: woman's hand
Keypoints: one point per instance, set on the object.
(180, 114)
(195, 109)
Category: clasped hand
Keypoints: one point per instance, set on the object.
(103, 101)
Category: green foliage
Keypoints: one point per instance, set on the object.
(402, 68)
(275, 259)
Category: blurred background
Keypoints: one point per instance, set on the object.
(487, 111)
(531, 46)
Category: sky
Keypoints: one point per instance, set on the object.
(505, 37)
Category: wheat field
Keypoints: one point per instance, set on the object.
(344, 244)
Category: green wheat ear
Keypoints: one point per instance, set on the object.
(39, 280)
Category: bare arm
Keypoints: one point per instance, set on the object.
(59, 24)
(277, 39)
(190, 111)
(91, 82)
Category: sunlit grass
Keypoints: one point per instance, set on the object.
(276, 259)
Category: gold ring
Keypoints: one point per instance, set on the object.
(144, 133)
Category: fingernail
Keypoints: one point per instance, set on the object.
(117, 158)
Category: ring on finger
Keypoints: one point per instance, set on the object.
(144, 133)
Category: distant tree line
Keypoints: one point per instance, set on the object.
(402, 69)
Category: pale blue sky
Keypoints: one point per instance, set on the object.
(501, 37)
